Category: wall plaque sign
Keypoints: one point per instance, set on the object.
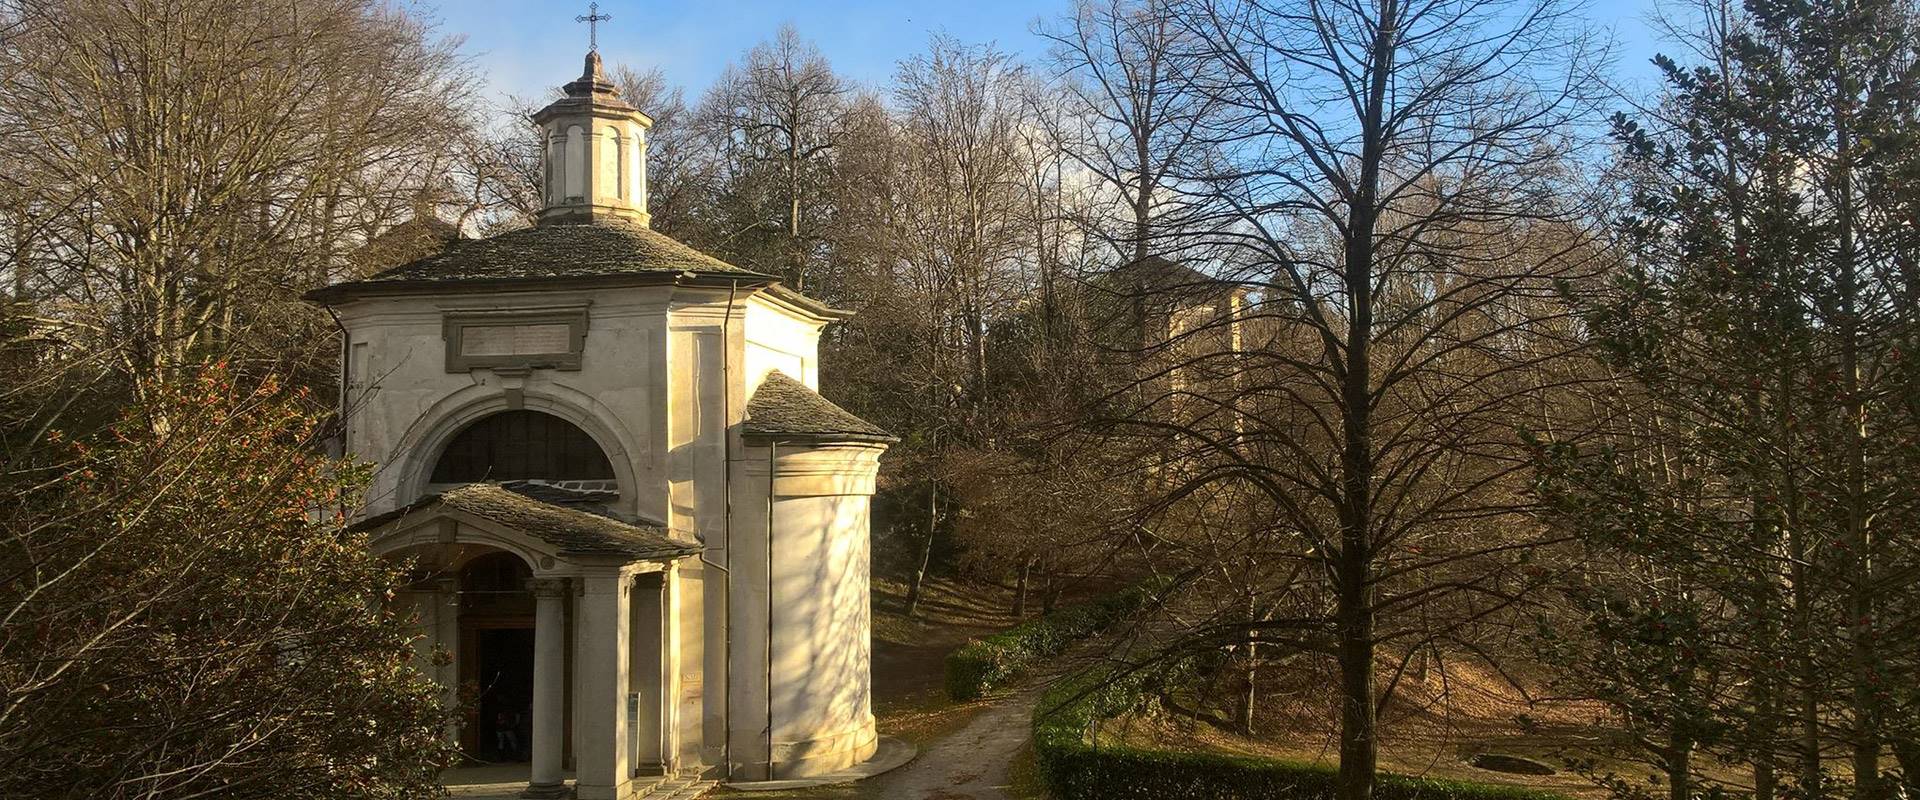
(549, 338)
(515, 340)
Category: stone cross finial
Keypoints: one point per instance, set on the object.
(593, 18)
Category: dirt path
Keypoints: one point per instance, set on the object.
(972, 762)
(965, 749)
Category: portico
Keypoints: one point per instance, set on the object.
(603, 622)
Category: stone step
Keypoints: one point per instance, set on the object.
(676, 789)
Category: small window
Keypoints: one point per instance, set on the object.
(522, 445)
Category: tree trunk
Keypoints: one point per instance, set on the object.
(1353, 567)
(1251, 684)
(794, 252)
(1765, 781)
(1679, 767)
(926, 552)
(1763, 734)
(1806, 667)
(1250, 673)
(1020, 589)
(1864, 656)
(1812, 780)
(1359, 751)
(1143, 201)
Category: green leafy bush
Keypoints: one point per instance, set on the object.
(993, 661)
(1074, 768)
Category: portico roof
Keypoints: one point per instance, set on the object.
(572, 531)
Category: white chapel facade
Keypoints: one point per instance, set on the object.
(637, 530)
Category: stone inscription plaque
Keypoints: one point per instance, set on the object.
(546, 338)
(516, 340)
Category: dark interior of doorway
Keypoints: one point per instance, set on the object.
(505, 671)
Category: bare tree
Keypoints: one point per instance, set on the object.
(777, 116)
(672, 176)
(178, 615)
(958, 214)
(1386, 181)
(198, 164)
(1124, 63)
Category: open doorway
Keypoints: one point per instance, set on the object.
(505, 675)
(496, 658)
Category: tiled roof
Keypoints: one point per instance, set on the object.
(571, 530)
(422, 235)
(578, 250)
(785, 408)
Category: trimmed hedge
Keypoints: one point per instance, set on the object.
(1075, 769)
(992, 661)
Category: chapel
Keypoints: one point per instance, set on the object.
(638, 534)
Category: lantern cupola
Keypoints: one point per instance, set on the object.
(595, 158)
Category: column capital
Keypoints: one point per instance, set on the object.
(547, 587)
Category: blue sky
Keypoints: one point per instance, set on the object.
(527, 46)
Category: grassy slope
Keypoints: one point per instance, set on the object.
(1430, 730)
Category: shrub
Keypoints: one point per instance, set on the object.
(187, 617)
(993, 661)
(1075, 768)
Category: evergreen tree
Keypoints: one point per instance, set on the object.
(1756, 328)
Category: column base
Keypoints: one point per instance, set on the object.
(546, 791)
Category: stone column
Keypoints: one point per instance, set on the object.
(549, 686)
(668, 671)
(644, 660)
(600, 743)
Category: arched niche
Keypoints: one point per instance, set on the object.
(576, 162)
(428, 435)
(610, 181)
(518, 445)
